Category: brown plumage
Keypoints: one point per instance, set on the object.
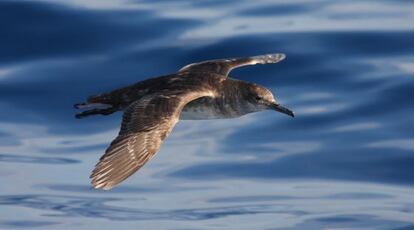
(153, 107)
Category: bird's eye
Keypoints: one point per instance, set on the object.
(258, 98)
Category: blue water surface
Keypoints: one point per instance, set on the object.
(345, 162)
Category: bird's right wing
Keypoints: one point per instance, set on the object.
(224, 66)
(145, 125)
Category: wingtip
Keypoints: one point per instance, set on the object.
(282, 56)
(102, 186)
(277, 57)
(269, 58)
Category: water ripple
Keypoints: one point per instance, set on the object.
(36, 160)
(72, 206)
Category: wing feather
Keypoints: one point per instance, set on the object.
(224, 66)
(145, 125)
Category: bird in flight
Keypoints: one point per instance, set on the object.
(152, 107)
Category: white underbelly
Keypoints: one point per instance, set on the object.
(198, 113)
(206, 108)
(206, 112)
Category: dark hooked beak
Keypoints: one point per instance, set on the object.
(282, 109)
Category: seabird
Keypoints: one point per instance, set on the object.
(152, 107)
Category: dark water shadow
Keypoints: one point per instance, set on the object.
(349, 222)
(59, 30)
(407, 227)
(279, 10)
(19, 224)
(275, 198)
(36, 160)
(367, 164)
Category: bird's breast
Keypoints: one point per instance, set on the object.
(207, 108)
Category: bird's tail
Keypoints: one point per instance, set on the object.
(92, 101)
(99, 104)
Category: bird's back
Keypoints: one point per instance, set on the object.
(228, 103)
(123, 97)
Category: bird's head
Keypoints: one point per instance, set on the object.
(260, 98)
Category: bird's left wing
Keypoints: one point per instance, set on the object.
(145, 125)
(224, 66)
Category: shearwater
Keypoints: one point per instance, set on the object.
(152, 107)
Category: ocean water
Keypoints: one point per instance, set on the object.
(345, 162)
